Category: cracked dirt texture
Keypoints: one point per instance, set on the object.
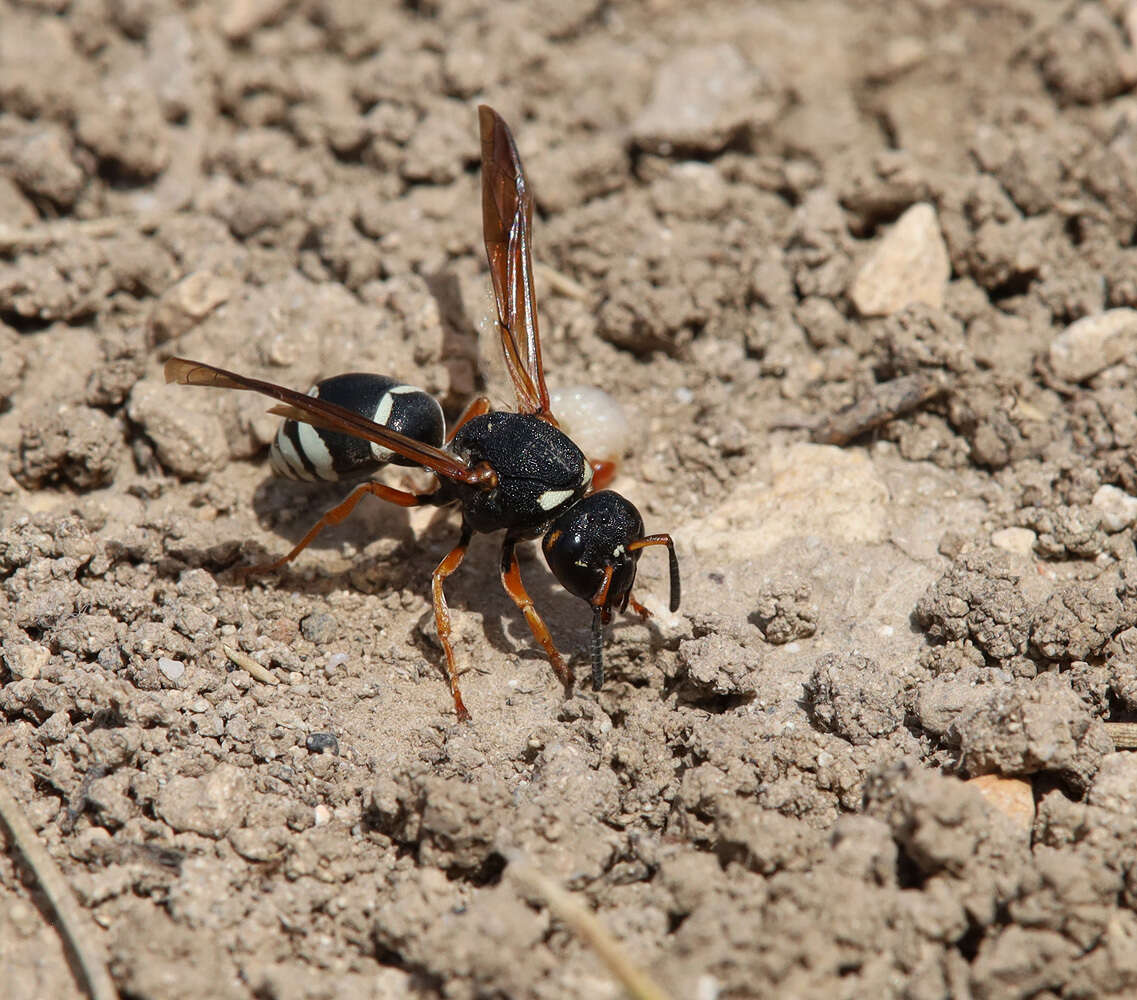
(871, 756)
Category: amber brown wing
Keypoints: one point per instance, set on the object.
(329, 416)
(507, 221)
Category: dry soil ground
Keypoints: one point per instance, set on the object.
(874, 753)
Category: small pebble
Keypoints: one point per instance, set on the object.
(25, 660)
(173, 669)
(909, 265)
(1118, 509)
(1013, 797)
(1020, 540)
(1092, 343)
(319, 742)
(702, 96)
(110, 658)
(319, 627)
(335, 661)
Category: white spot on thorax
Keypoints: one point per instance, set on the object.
(553, 498)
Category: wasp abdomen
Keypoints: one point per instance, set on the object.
(301, 451)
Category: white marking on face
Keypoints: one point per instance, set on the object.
(402, 390)
(291, 457)
(618, 551)
(316, 451)
(586, 476)
(553, 498)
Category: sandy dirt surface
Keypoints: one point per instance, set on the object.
(875, 754)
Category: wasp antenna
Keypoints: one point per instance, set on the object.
(597, 648)
(673, 563)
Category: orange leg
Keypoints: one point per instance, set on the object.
(511, 580)
(336, 515)
(475, 408)
(442, 615)
(638, 608)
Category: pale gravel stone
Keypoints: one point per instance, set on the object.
(1118, 509)
(1092, 343)
(184, 305)
(210, 805)
(171, 669)
(1020, 540)
(909, 265)
(701, 98)
(1014, 797)
(24, 659)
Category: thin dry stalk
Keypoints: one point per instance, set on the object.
(567, 908)
(70, 921)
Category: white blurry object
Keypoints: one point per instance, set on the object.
(593, 419)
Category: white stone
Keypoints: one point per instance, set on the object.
(909, 265)
(25, 660)
(1018, 540)
(1092, 343)
(173, 669)
(1118, 509)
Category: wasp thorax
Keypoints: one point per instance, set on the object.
(540, 472)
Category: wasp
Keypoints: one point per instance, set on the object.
(516, 472)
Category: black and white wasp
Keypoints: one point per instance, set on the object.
(511, 471)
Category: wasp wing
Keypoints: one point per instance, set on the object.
(328, 416)
(507, 220)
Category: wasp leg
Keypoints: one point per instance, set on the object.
(475, 408)
(336, 515)
(442, 614)
(638, 608)
(511, 580)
